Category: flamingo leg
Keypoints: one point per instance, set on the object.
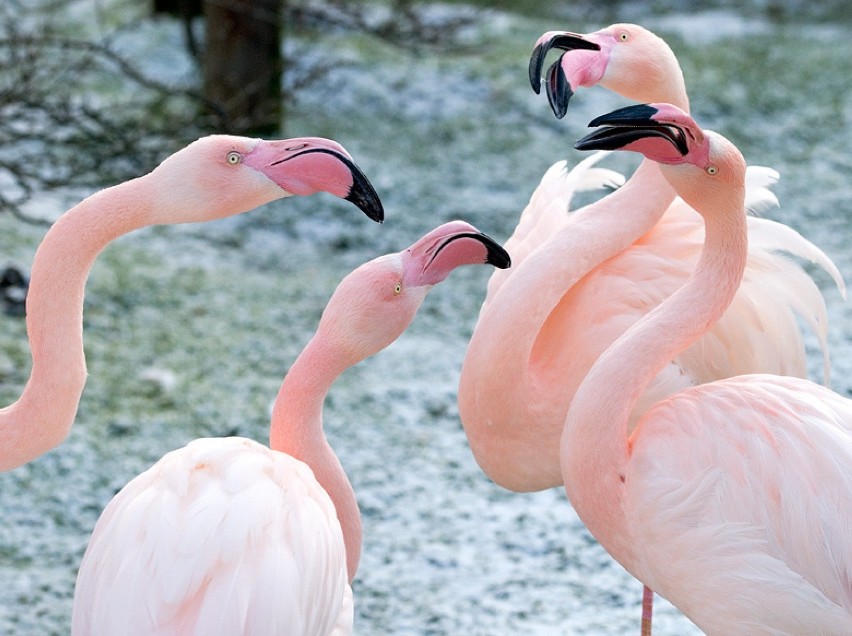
(647, 609)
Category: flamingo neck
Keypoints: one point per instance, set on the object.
(592, 235)
(42, 417)
(595, 447)
(297, 430)
(651, 75)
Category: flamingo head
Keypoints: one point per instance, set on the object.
(625, 58)
(222, 175)
(431, 259)
(374, 304)
(695, 161)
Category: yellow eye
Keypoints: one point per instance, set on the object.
(623, 36)
(711, 169)
(234, 157)
(397, 289)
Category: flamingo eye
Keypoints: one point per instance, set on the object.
(234, 157)
(397, 289)
(711, 169)
(623, 36)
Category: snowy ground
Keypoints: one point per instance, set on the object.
(225, 307)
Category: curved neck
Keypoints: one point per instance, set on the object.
(42, 417)
(593, 234)
(296, 429)
(595, 447)
(650, 75)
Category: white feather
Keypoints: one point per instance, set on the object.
(227, 536)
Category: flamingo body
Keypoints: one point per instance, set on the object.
(761, 508)
(226, 536)
(232, 538)
(732, 499)
(572, 291)
(580, 279)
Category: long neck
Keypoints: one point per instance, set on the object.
(42, 417)
(529, 295)
(297, 430)
(652, 74)
(594, 234)
(595, 447)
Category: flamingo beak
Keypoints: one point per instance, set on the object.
(433, 257)
(362, 193)
(622, 128)
(495, 254)
(306, 165)
(563, 40)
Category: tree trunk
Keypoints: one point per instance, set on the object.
(243, 63)
(179, 8)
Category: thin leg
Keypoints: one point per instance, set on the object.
(647, 610)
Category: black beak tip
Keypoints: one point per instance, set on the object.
(496, 254)
(558, 89)
(560, 106)
(369, 205)
(536, 61)
(635, 114)
(364, 195)
(580, 144)
(571, 41)
(566, 42)
(500, 261)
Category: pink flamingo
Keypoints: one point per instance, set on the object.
(214, 177)
(227, 536)
(579, 281)
(637, 64)
(732, 499)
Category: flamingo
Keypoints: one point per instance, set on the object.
(638, 64)
(579, 281)
(211, 178)
(227, 536)
(732, 499)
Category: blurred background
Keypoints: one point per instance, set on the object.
(189, 329)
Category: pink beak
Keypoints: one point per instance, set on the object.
(587, 67)
(305, 165)
(431, 259)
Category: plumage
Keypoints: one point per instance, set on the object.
(732, 499)
(581, 278)
(227, 536)
(213, 177)
(547, 210)
(205, 542)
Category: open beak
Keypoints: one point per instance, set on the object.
(625, 126)
(563, 40)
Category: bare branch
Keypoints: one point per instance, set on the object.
(58, 130)
(75, 113)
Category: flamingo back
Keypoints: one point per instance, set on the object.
(754, 517)
(222, 536)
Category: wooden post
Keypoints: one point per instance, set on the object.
(243, 63)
